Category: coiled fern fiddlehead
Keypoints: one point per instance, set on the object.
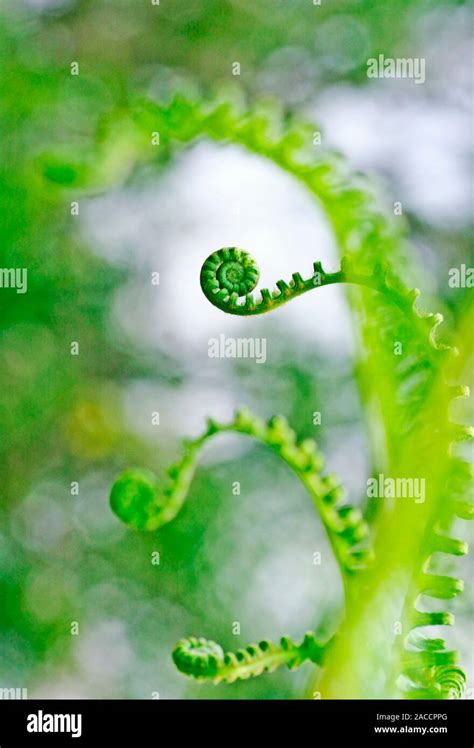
(231, 274)
(139, 502)
(205, 660)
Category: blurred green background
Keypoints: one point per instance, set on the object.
(65, 558)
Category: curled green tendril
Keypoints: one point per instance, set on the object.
(229, 275)
(138, 499)
(205, 660)
(134, 499)
(230, 270)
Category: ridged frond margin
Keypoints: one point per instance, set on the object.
(429, 669)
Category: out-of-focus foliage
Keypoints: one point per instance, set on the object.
(66, 418)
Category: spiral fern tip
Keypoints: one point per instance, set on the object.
(133, 499)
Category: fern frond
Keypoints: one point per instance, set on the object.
(138, 500)
(428, 668)
(205, 660)
(230, 274)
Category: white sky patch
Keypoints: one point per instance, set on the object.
(422, 144)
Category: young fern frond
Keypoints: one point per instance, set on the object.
(230, 274)
(139, 502)
(205, 660)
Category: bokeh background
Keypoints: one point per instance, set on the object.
(66, 558)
